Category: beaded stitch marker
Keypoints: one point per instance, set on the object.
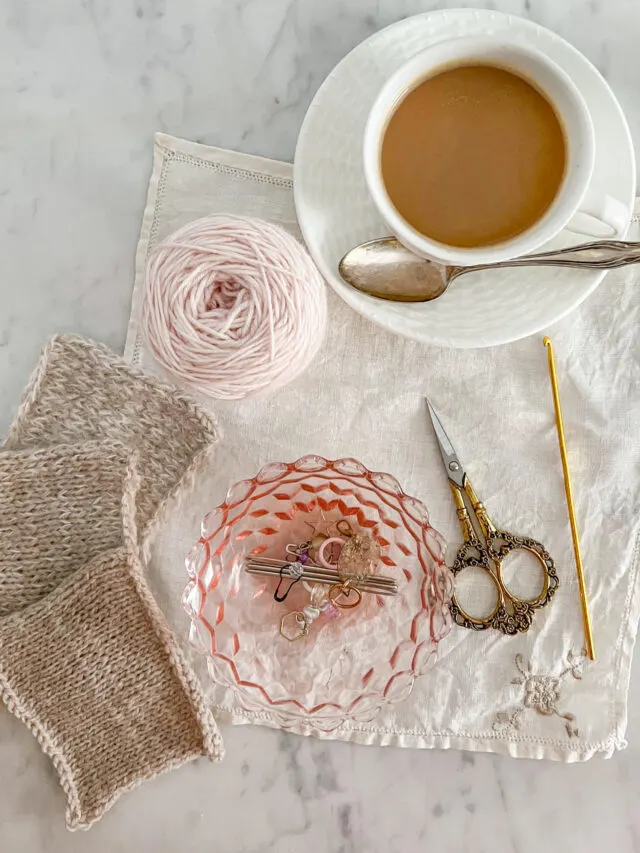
(345, 562)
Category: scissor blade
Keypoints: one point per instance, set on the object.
(452, 465)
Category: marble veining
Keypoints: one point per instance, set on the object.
(83, 88)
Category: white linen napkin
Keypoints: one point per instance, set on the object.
(533, 695)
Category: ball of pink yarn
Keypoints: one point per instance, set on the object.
(233, 306)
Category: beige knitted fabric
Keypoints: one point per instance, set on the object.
(87, 660)
(95, 672)
(59, 508)
(81, 391)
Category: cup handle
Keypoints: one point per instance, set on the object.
(601, 216)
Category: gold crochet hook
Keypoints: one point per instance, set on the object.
(586, 619)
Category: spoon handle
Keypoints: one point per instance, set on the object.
(600, 255)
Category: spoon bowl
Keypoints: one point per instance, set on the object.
(386, 269)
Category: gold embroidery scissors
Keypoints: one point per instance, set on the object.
(510, 614)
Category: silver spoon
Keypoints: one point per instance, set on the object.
(386, 269)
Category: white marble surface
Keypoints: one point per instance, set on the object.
(83, 87)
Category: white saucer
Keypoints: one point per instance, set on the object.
(335, 211)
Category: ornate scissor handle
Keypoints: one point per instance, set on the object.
(511, 615)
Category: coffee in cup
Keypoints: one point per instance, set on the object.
(473, 155)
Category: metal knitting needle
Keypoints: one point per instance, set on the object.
(274, 561)
(362, 586)
(278, 564)
(312, 574)
(586, 619)
(325, 577)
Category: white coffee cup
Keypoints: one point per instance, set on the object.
(575, 207)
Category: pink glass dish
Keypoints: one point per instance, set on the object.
(346, 668)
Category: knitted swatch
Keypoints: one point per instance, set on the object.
(81, 391)
(59, 508)
(95, 673)
(87, 659)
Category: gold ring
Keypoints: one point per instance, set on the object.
(344, 588)
(345, 530)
